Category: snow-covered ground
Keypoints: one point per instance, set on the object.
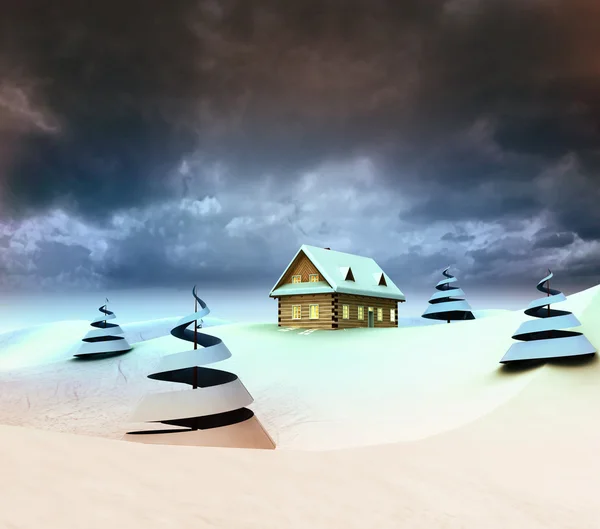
(312, 389)
(418, 321)
(471, 444)
(51, 343)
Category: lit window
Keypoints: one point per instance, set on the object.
(296, 279)
(379, 314)
(313, 278)
(313, 312)
(346, 312)
(296, 312)
(361, 313)
(392, 314)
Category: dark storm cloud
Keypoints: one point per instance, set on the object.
(462, 236)
(585, 269)
(53, 258)
(570, 189)
(469, 110)
(482, 204)
(506, 267)
(273, 87)
(499, 254)
(118, 75)
(421, 270)
(546, 238)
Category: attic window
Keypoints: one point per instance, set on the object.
(380, 279)
(347, 274)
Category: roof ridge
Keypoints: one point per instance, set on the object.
(337, 251)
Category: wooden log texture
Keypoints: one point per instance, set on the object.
(325, 311)
(331, 311)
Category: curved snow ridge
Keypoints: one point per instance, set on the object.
(38, 345)
(49, 343)
(422, 420)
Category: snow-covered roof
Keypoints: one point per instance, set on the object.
(338, 269)
(292, 289)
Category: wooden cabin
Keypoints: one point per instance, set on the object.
(325, 289)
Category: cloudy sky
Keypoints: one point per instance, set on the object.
(158, 144)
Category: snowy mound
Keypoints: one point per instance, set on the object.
(56, 342)
(529, 460)
(312, 390)
(419, 321)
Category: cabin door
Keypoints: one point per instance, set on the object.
(371, 318)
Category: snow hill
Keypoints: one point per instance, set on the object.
(470, 444)
(313, 390)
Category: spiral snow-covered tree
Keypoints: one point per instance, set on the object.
(105, 339)
(213, 412)
(448, 303)
(544, 337)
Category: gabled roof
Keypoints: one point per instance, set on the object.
(344, 273)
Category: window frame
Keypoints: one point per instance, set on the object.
(379, 313)
(361, 312)
(295, 276)
(345, 311)
(393, 315)
(310, 316)
(299, 307)
(310, 276)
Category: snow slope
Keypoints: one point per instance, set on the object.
(56, 342)
(530, 463)
(524, 456)
(313, 390)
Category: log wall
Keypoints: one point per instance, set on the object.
(331, 311)
(325, 302)
(365, 301)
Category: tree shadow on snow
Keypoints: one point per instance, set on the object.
(574, 361)
(522, 366)
(97, 356)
